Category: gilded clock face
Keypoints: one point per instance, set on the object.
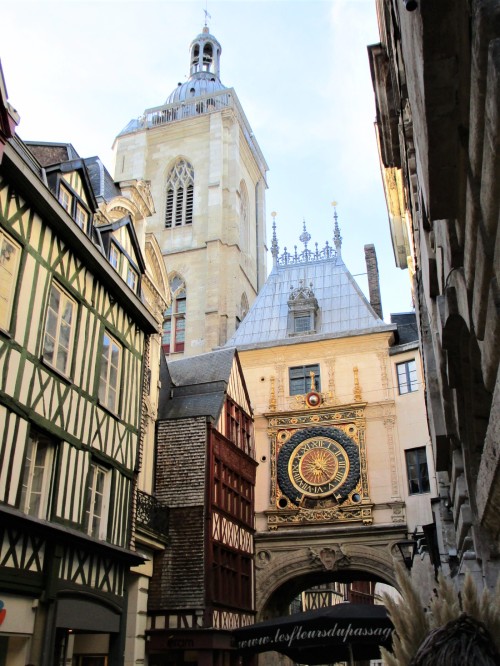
(318, 466)
(317, 463)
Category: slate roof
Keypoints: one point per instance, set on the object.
(343, 308)
(102, 183)
(195, 386)
(407, 336)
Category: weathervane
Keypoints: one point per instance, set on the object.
(207, 15)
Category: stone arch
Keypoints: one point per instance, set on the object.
(283, 572)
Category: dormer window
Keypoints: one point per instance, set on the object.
(302, 310)
(73, 205)
(302, 323)
(81, 216)
(65, 199)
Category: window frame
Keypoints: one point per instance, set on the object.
(68, 203)
(179, 199)
(174, 324)
(42, 508)
(104, 382)
(420, 480)
(11, 283)
(306, 369)
(63, 294)
(81, 216)
(96, 525)
(409, 385)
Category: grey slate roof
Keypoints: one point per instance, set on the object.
(343, 308)
(195, 386)
(102, 183)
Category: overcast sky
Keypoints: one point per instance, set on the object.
(79, 71)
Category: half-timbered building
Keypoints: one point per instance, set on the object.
(74, 334)
(203, 583)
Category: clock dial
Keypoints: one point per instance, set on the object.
(318, 463)
(318, 466)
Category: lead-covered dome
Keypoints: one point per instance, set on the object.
(204, 78)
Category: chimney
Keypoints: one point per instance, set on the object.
(373, 281)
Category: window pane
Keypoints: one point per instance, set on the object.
(109, 373)
(9, 261)
(418, 473)
(58, 329)
(301, 324)
(36, 478)
(300, 379)
(407, 377)
(180, 305)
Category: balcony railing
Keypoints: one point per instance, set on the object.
(205, 104)
(152, 515)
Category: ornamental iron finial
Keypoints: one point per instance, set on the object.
(305, 236)
(337, 238)
(327, 253)
(274, 243)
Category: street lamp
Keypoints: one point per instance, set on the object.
(407, 549)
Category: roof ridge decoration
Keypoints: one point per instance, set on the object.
(306, 255)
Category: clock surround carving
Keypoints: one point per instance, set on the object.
(354, 506)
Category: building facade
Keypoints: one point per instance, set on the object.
(345, 464)
(436, 79)
(73, 337)
(203, 584)
(208, 181)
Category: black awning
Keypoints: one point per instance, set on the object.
(336, 633)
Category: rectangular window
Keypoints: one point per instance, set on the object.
(301, 324)
(59, 329)
(65, 198)
(407, 377)
(110, 372)
(302, 379)
(418, 474)
(37, 477)
(10, 253)
(132, 278)
(114, 256)
(81, 216)
(97, 502)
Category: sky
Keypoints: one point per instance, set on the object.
(77, 72)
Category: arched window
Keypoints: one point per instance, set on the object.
(244, 226)
(180, 185)
(243, 310)
(174, 322)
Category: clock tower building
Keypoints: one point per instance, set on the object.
(208, 181)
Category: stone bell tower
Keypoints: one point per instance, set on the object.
(208, 181)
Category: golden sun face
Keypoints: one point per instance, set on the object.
(318, 467)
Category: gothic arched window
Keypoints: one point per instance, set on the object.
(180, 185)
(243, 310)
(174, 322)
